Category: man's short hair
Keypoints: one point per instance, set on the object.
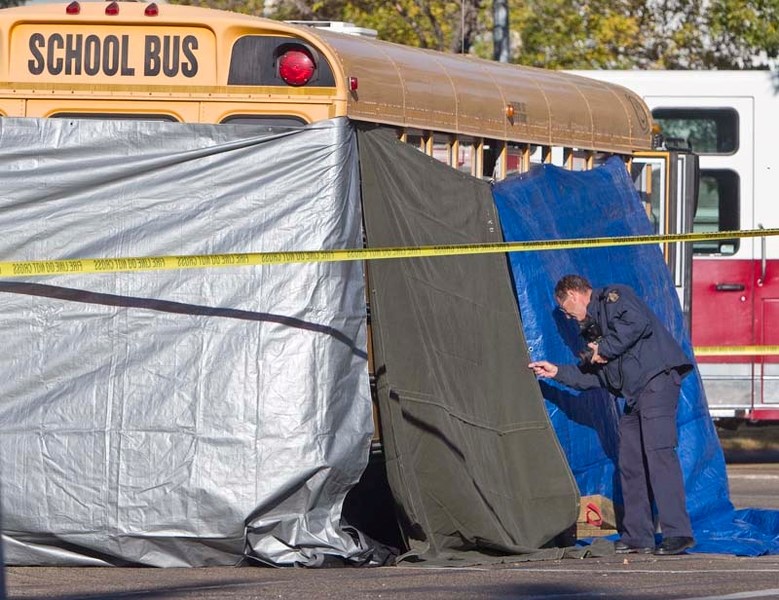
(568, 283)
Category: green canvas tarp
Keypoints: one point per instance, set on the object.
(472, 459)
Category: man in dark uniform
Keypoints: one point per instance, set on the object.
(632, 355)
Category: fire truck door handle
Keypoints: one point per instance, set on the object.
(762, 257)
(730, 287)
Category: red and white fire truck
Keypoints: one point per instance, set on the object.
(731, 120)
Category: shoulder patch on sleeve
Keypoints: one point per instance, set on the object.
(612, 296)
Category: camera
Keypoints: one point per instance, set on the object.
(591, 332)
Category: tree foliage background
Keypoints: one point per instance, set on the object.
(570, 34)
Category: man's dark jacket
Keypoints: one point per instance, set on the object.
(635, 343)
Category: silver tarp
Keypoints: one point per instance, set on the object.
(184, 417)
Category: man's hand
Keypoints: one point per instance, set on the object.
(543, 368)
(596, 357)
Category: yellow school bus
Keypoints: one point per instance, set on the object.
(129, 60)
(189, 64)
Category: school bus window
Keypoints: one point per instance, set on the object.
(442, 148)
(718, 210)
(416, 139)
(558, 156)
(649, 179)
(708, 130)
(267, 120)
(255, 61)
(516, 157)
(115, 116)
(464, 158)
(537, 155)
(656, 195)
(491, 159)
(581, 160)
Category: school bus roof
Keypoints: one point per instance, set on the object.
(431, 90)
(410, 87)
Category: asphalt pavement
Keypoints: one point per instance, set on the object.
(694, 576)
(753, 484)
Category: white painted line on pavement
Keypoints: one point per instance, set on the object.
(748, 476)
(659, 571)
(601, 571)
(772, 593)
(571, 595)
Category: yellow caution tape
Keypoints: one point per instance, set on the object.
(736, 350)
(201, 261)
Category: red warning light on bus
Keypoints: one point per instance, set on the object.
(296, 66)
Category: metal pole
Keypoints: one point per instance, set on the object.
(462, 26)
(2, 559)
(500, 30)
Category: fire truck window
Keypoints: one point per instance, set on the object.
(718, 210)
(708, 130)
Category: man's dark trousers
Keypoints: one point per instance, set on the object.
(648, 464)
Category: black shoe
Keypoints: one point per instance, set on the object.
(675, 545)
(621, 547)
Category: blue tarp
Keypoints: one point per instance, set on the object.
(553, 203)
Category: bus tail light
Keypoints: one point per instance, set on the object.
(73, 8)
(151, 10)
(112, 9)
(296, 66)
